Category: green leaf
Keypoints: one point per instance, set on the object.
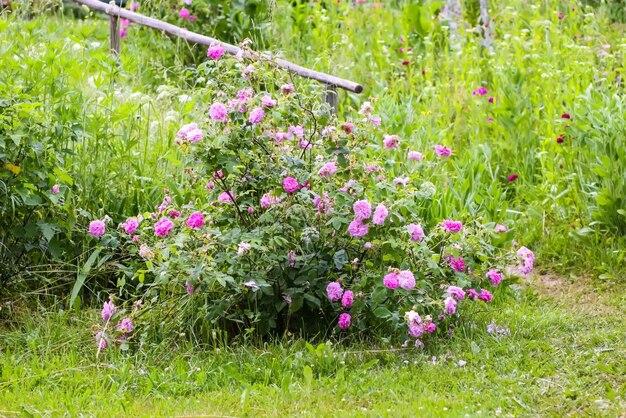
(313, 300)
(340, 258)
(46, 229)
(382, 312)
(82, 275)
(308, 375)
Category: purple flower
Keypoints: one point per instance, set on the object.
(485, 296)
(391, 280)
(195, 135)
(195, 220)
(494, 276)
(184, 13)
(527, 259)
(297, 131)
(406, 280)
(442, 151)
(334, 291)
(391, 141)
(218, 112)
(401, 181)
(185, 129)
(452, 226)
(130, 225)
(380, 214)
(457, 264)
(416, 231)
(256, 115)
(108, 310)
(324, 203)
(416, 330)
(247, 71)
(415, 156)
(189, 288)
(225, 197)
(472, 293)
(287, 89)
(357, 228)
(512, 177)
(97, 228)
(215, 52)
(267, 101)
(344, 320)
(291, 185)
(500, 228)
(450, 306)
(55, 189)
(367, 245)
(328, 169)
(268, 200)
(173, 214)
(481, 91)
(163, 227)
(362, 210)
(347, 299)
(125, 325)
(456, 292)
(166, 201)
(102, 341)
(291, 257)
(565, 116)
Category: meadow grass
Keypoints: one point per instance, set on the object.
(564, 356)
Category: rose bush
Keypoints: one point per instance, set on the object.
(306, 223)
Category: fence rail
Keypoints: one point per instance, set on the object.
(331, 82)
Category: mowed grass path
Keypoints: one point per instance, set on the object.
(565, 356)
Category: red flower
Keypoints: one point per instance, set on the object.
(512, 177)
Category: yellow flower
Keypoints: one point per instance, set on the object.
(13, 168)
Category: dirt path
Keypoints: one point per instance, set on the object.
(581, 295)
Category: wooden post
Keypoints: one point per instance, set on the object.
(115, 36)
(330, 97)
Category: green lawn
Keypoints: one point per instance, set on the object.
(565, 356)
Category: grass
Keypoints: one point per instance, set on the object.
(565, 356)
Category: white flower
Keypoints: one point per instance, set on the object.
(366, 108)
(412, 317)
(243, 248)
(252, 285)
